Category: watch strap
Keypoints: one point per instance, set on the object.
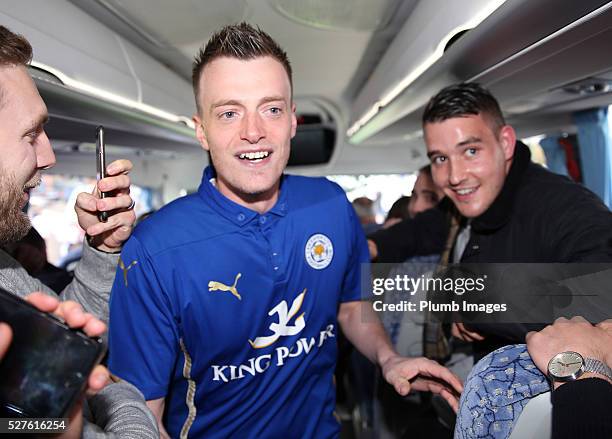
(596, 366)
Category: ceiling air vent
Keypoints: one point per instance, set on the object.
(589, 86)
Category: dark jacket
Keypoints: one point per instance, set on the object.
(538, 217)
(581, 410)
(425, 234)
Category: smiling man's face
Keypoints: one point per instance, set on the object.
(246, 121)
(24, 148)
(469, 161)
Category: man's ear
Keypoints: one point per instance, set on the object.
(507, 140)
(200, 134)
(293, 120)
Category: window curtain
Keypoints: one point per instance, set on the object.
(595, 151)
(556, 160)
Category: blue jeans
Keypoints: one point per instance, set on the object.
(496, 390)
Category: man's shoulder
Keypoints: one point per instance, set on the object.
(563, 218)
(13, 277)
(178, 209)
(310, 183)
(538, 175)
(309, 190)
(545, 189)
(553, 200)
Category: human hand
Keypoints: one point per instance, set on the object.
(577, 335)
(108, 236)
(6, 335)
(606, 325)
(459, 331)
(69, 311)
(74, 316)
(373, 249)
(391, 222)
(406, 374)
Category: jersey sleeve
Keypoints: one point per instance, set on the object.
(143, 334)
(358, 268)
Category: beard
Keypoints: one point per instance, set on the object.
(14, 223)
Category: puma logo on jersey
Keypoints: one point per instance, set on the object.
(282, 328)
(218, 286)
(126, 269)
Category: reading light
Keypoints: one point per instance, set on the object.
(113, 97)
(421, 68)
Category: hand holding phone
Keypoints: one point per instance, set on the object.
(109, 198)
(47, 365)
(101, 166)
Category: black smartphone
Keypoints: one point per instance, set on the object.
(101, 166)
(46, 367)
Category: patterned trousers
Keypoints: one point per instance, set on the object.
(496, 391)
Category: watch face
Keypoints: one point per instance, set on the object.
(566, 365)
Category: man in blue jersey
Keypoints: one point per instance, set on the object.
(226, 303)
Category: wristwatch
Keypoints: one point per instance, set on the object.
(569, 366)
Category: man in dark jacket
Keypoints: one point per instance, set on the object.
(510, 209)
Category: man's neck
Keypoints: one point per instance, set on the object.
(260, 203)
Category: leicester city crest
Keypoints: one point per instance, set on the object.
(319, 251)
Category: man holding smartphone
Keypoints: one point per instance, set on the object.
(226, 307)
(25, 150)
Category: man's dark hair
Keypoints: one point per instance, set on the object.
(241, 41)
(14, 49)
(460, 100)
(399, 209)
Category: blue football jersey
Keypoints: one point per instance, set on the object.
(232, 315)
